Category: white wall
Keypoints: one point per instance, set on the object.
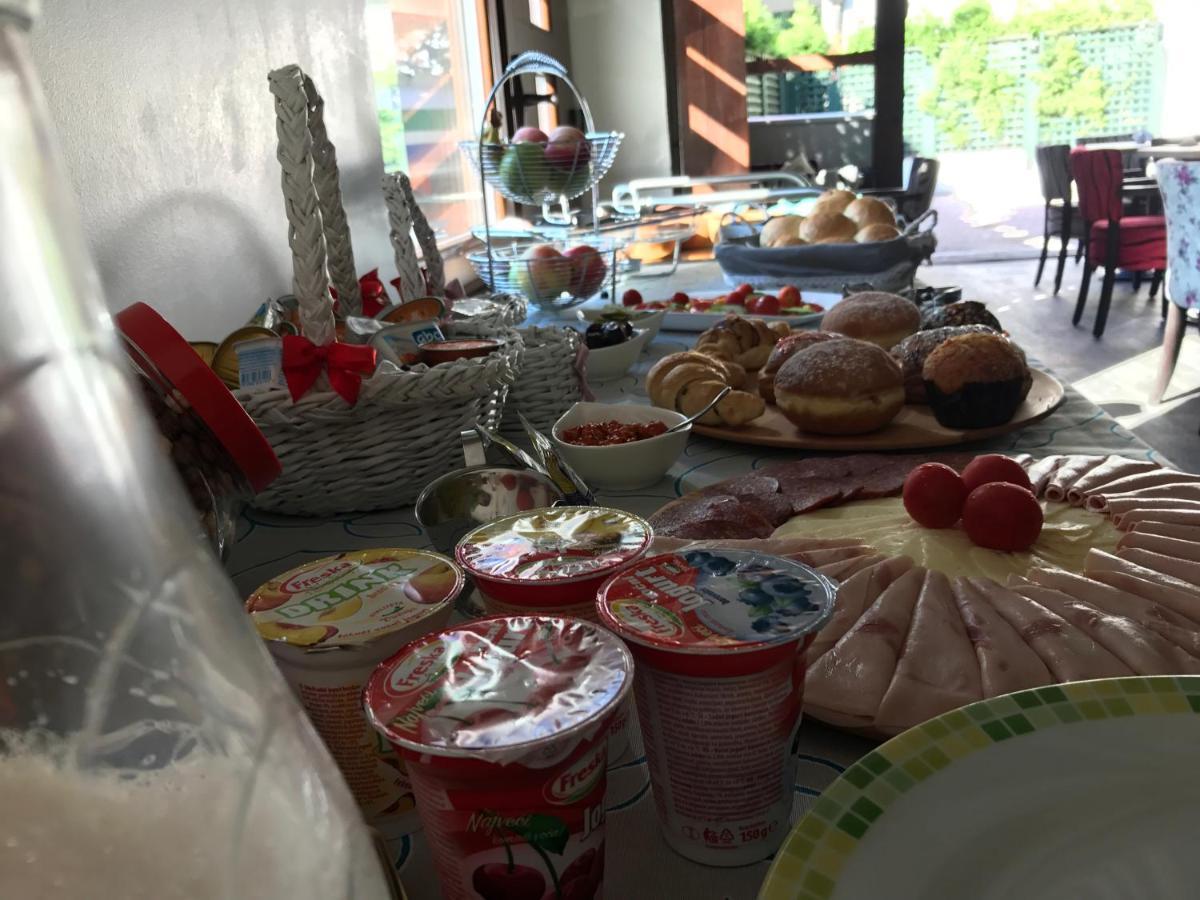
(617, 63)
(168, 129)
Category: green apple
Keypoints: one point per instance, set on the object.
(523, 169)
(543, 273)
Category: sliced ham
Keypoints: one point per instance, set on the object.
(853, 676)
(1068, 653)
(1157, 543)
(1168, 529)
(1072, 469)
(937, 670)
(1144, 651)
(822, 557)
(1040, 471)
(1118, 506)
(1113, 469)
(841, 571)
(1176, 593)
(1165, 595)
(1183, 569)
(1130, 519)
(1138, 481)
(1174, 490)
(854, 596)
(1176, 628)
(1006, 662)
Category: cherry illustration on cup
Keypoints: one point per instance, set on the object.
(508, 881)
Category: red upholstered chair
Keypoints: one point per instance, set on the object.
(1115, 241)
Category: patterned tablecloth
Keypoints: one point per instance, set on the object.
(640, 866)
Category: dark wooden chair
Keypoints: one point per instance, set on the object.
(916, 196)
(1115, 240)
(1060, 216)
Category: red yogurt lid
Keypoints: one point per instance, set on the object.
(552, 546)
(715, 601)
(152, 336)
(497, 688)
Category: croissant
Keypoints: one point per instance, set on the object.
(687, 382)
(747, 342)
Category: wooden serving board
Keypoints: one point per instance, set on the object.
(914, 428)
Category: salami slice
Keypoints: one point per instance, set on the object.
(699, 518)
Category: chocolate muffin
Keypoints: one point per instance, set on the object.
(911, 353)
(975, 380)
(964, 312)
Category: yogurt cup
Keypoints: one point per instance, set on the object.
(551, 561)
(719, 639)
(502, 722)
(328, 624)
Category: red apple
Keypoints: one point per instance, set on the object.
(588, 270)
(542, 273)
(530, 135)
(568, 149)
(567, 134)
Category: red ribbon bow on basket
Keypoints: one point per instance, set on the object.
(346, 365)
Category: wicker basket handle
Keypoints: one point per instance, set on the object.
(400, 227)
(435, 269)
(306, 235)
(342, 271)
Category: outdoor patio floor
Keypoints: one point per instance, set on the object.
(1115, 371)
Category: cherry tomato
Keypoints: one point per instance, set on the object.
(735, 298)
(813, 307)
(702, 306)
(631, 298)
(1002, 516)
(655, 304)
(744, 289)
(789, 295)
(994, 467)
(933, 495)
(680, 297)
(764, 305)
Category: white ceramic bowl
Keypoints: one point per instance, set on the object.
(607, 363)
(650, 320)
(621, 467)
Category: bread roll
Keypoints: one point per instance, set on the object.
(869, 211)
(785, 350)
(789, 240)
(686, 382)
(779, 227)
(875, 316)
(834, 201)
(840, 387)
(828, 227)
(876, 232)
(747, 342)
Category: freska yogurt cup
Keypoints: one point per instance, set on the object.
(502, 722)
(328, 624)
(718, 636)
(551, 561)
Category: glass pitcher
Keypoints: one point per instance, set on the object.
(148, 748)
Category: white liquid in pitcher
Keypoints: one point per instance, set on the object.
(185, 833)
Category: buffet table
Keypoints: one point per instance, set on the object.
(639, 863)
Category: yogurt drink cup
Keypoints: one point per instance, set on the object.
(719, 639)
(328, 624)
(503, 723)
(551, 561)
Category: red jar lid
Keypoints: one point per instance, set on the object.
(165, 348)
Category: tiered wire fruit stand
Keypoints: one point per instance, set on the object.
(555, 267)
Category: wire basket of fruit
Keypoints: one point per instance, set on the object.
(536, 167)
(556, 274)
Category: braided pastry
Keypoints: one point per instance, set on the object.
(687, 382)
(747, 342)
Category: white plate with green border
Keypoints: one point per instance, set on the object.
(1086, 790)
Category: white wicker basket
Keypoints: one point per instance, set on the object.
(510, 313)
(548, 380)
(404, 428)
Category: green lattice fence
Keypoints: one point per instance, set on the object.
(1127, 61)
